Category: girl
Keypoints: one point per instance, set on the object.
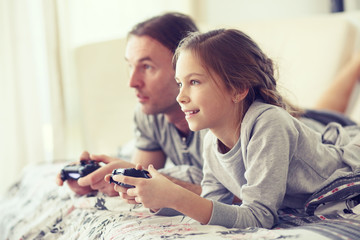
(256, 149)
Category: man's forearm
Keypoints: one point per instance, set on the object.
(195, 188)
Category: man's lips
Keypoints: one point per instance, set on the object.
(190, 113)
(141, 97)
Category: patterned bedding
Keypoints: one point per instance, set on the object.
(36, 208)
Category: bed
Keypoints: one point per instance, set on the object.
(36, 208)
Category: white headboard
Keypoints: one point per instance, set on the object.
(107, 102)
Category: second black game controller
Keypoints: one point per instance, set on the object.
(76, 171)
(132, 172)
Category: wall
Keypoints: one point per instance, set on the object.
(211, 12)
(96, 20)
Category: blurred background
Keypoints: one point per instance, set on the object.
(41, 118)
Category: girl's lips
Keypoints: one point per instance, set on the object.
(190, 113)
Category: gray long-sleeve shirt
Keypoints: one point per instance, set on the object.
(277, 162)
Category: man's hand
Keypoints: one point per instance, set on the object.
(95, 180)
(74, 186)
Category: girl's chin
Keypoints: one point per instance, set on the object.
(195, 128)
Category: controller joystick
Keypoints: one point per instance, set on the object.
(76, 171)
(132, 172)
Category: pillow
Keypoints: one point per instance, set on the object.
(340, 189)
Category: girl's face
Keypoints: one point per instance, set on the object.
(205, 103)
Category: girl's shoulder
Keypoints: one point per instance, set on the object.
(265, 121)
(261, 116)
(260, 110)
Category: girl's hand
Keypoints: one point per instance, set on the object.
(154, 193)
(122, 191)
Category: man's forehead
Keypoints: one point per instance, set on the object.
(137, 59)
(142, 48)
(142, 43)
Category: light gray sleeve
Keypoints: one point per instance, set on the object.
(231, 215)
(271, 142)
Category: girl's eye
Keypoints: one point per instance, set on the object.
(194, 82)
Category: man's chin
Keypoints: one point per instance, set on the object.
(148, 110)
(156, 109)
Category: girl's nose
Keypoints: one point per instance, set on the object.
(182, 97)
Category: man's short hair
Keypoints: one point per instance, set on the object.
(169, 29)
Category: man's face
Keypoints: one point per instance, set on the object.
(151, 74)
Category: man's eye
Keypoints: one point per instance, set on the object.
(146, 66)
(179, 84)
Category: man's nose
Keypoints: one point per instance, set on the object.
(135, 80)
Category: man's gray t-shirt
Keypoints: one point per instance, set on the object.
(154, 133)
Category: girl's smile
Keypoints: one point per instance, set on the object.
(190, 113)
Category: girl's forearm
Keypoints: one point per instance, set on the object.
(192, 205)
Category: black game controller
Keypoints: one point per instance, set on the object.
(132, 172)
(76, 171)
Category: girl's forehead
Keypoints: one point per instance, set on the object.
(186, 53)
(188, 63)
(192, 57)
(194, 60)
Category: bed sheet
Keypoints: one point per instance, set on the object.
(36, 208)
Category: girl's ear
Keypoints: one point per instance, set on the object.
(239, 96)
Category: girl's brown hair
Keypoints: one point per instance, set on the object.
(240, 63)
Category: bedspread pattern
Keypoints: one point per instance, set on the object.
(35, 208)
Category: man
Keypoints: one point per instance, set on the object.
(162, 133)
